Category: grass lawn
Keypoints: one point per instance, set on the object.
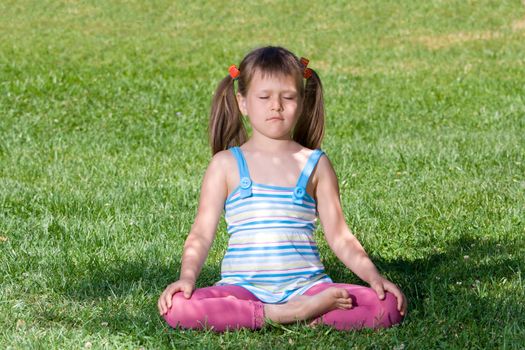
(103, 144)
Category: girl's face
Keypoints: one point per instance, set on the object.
(271, 104)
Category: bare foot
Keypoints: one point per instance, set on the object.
(306, 307)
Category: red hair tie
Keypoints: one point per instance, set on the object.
(307, 72)
(234, 72)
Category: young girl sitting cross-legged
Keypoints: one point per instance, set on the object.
(272, 187)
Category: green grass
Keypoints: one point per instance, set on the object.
(103, 116)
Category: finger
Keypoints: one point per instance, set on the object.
(401, 303)
(392, 288)
(159, 306)
(164, 303)
(187, 292)
(161, 303)
(168, 300)
(400, 299)
(169, 295)
(401, 306)
(378, 288)
(405, 306)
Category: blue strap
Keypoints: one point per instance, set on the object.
(244, 175)
(300, 189)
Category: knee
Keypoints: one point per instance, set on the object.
(388, 315)
(182, 312)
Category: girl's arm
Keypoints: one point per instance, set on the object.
(339, 237)
(213, 194)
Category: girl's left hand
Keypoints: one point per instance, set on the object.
(382, 285)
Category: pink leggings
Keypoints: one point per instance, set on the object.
(234, 307)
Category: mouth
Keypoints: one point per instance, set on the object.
(274, 118)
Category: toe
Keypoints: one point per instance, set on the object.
(343, 293)
(346, 303)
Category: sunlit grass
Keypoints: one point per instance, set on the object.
(103, 116)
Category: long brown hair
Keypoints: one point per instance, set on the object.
(226, 128)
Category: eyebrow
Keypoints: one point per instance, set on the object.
(285, 91)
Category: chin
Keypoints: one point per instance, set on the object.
(280, 136)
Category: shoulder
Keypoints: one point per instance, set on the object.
(323, 165)
(222, 158)
(324, 170)
(221, 162)
(304, 152)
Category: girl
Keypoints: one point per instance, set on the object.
(272, 186)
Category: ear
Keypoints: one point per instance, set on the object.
(241, 102)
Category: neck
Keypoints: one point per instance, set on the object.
(264, 144)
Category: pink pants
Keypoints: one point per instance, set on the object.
(234, 307)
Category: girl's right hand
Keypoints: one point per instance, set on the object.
(181, 285)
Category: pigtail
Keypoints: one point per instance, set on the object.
(309, 130)
(226, 127)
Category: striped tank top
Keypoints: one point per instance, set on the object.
(271, 251)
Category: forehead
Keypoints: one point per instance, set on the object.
(266, 81)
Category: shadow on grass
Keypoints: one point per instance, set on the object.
(125, 277)
(118, 298)
(446, 290)
(471, 279)
(467, 261)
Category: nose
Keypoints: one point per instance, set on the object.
(276, 104)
